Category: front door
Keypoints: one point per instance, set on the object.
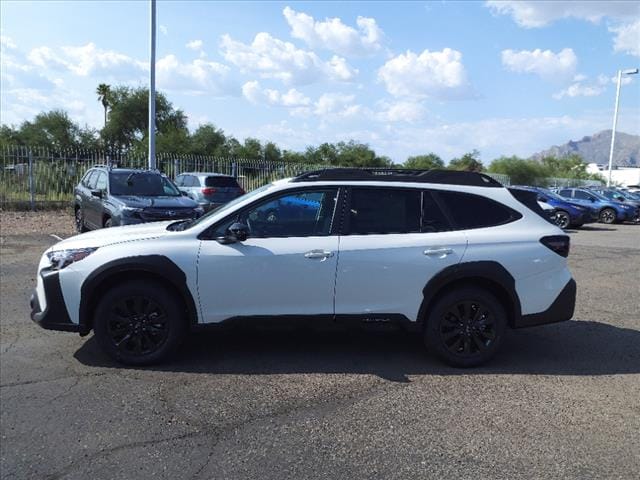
(287, 266)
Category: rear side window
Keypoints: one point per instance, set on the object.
(384, 211)
(565, 193)
(228, 182)
(473, 211)
(433, 219)
(179, 180)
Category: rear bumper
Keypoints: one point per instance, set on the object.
(55, 315)
(560, 310)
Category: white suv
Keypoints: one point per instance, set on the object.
(453, 255)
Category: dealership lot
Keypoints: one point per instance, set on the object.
(559, 400)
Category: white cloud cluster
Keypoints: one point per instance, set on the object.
(627, 38)
(438, 74)
(88, 60)
(544, 63)
(273, 58)
(334, 35)
(401, 111)
(196, 77)
(535, 13)
(7, 42)
(253, 92)
(194, 45)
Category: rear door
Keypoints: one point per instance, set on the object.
(395, 240)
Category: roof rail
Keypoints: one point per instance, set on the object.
(452, 177)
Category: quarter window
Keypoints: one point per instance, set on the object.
(473, 211)
(382, 211)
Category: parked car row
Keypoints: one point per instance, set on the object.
(574, 207)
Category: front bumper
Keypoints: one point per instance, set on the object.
(560, 310)
(55, 315)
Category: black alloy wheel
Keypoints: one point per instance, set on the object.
(139, 322)
(466, 326)
(563, 220)
(108, 223)
(608, 215)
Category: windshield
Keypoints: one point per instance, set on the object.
(224, 208)
(146, 184)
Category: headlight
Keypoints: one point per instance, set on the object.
(63, 258)
(130, 211)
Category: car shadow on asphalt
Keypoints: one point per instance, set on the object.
(568, 348)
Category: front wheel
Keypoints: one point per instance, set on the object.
(608, 215)
(79, 220)
(466, 327)
(139, 323)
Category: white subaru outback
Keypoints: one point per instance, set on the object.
(452, 255)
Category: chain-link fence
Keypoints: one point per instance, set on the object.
(39, 178)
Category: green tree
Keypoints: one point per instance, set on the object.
(296, 157)
(104, 91)
(55, 130)
(271, 152)
(520, 171)
(355, 154)
(208, 140)
(424, 162)
(251, 149)
(469, 161)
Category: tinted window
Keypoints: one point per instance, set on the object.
(384, 211)
(565, 193)
(433, 219)
(101, 183)
(582, 195)
(141, 183)
(473, 211)
(91, 181)
(221, 182)
(301, 214)
(179, 180)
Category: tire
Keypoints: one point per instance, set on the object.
(608, 216)
(139, 323)
(563, 220)
(466, 327)
(108, 223)
(79, 221)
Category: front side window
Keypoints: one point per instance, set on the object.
(473, 211)
(383, 211)
(300, 214)
(565, 193)
(101, 182)
(582, 195)
(92, 179)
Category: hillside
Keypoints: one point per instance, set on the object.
(595, 149)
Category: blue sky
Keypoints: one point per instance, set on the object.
(406, 77)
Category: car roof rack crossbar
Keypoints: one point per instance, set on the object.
(451, 177)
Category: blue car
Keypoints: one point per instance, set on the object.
(609, 211)
(568, 214)
(621, 196)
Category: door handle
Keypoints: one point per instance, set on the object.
(438, 251)
(318, 254)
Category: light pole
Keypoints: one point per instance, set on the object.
(152, 87)
(631, 71)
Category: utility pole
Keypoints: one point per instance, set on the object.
(631, 71)
(152, 87)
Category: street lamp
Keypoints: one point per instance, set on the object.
(631, 71)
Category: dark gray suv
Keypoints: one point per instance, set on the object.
(108, 197)
(210, 190)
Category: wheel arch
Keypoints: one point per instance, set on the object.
(488, 275)
(151, 267)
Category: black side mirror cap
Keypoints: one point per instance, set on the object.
(96, 193)
(237, 232)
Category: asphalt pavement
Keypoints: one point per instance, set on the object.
(559, 401)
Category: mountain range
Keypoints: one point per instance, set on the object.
(595, 149)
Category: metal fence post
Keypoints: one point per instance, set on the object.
(175, 168)
(32, 193)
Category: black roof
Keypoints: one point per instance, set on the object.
(451, 177)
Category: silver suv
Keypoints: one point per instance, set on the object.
(210, 190)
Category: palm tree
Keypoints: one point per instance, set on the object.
(104, 92)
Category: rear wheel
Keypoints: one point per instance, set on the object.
(466, 327)
(108, 223)
(139, 323)
(563, 220)
(608, 215)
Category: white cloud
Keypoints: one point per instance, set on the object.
(627, 38)
(334, 35)
(163, 29)
(579, 89)
(7, 42)
(253, 92)
(401, 111)
(88, 60)
(194, 45)
(535, 14)
(546, 64)
(196, 77)
(273, 58)
(339, 104)
(439, 74)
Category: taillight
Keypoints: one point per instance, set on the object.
(557, 243)
(208, 191)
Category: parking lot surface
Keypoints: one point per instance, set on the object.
(558, 401)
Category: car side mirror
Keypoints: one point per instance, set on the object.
(237, 232)
(592, 199)
(183, 193)
(542, 199)
(96, 193)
